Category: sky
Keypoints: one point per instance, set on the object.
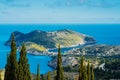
(59, 11)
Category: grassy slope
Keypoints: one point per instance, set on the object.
(33, 46)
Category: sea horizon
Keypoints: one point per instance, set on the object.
(103, 34)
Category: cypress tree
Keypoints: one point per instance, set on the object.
(67, 78)
(24, 72)
(48, 76)
(81, 69)
(0, 76)
(92, 75)
(12, 65)
(88, 71)
(38, 72)
(42, 77)
(7, 69)
(59, 75)
(54, 72)
(85, 73)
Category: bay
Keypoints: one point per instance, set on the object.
(103, 33)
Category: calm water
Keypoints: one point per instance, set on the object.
(103, 33)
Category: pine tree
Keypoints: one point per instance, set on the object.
(88, 71)
(38, 72)
(24, 72)
(12, 65)
(59, 75)
(92, 75)
(48, 76)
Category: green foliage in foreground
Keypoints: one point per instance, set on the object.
(38, 72)
(23, 69)
(92, 75)
(17, 70)
(59, 75)
(88, 71)
(0, 77)
(11, 68)
(85, 73)
(48, 76)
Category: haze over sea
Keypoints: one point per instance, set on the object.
(103, 33)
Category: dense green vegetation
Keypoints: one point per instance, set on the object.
(113, 64)
(38, 72)
(0, 77)
(59, 75)
(23, 69)
(85, 73)
(106, 75)
(17, 70)
(48, 76)
(92, 74)
(88, 71)
(112, 69)
(11, 68)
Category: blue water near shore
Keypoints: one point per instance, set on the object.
(103, 33)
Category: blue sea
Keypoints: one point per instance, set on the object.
(103, 33)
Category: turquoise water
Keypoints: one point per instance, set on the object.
(103, 33)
